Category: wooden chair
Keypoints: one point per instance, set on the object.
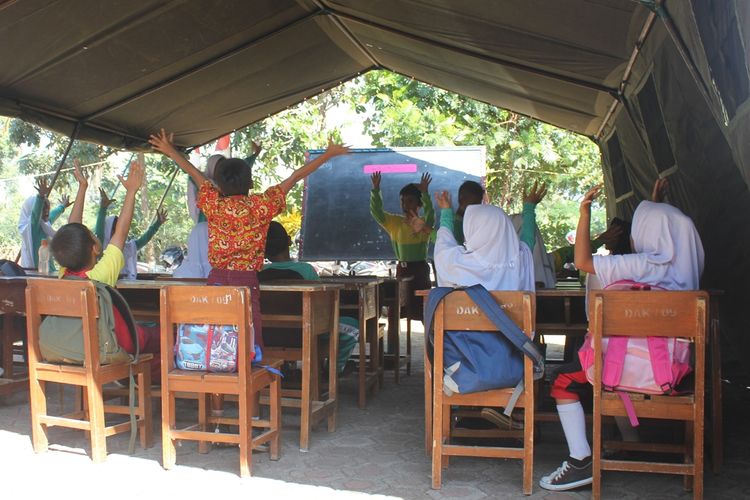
(77, 299)
(220, 305)
(652, 313)
(452, 314)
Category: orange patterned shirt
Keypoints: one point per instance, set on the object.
(237, 226)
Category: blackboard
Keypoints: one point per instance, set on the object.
(336, 220)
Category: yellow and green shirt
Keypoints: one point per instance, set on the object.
(407, 246)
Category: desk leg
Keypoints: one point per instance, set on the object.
(309, 364)
(394, 340)
(427, 405)
(333, 356)
(716, 400)
(362, 399)
(7, 344)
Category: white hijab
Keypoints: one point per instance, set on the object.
(195, 264)
(668, 251)
(130, 251)
(24, 227)
(192, 190)
(492, 254)
(544, 268)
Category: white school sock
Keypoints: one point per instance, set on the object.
(574, 426)
(627, 431)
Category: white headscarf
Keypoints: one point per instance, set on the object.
(544, 268)
(492, 254)
(195, 264)
(668, 251)
(130, 251)
(192, 190)
(24, 227)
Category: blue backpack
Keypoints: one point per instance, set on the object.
(479, 361)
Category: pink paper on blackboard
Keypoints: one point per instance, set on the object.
(391, 168)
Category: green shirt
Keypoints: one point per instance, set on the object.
(408, 246)
(305, 270)
(37, 234)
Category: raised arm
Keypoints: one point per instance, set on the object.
(311, 166)
(429, 211)
(530, 200)
(76, 214)
(131, 185)
(162, 142)
(582, 252)
(142, 240)
(60, 208)
(376, 200)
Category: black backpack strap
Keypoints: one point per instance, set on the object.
(433, 299)
(122, 306)
(507, 327)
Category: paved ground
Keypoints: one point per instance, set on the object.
(376, 452)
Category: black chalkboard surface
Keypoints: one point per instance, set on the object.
(336, 220)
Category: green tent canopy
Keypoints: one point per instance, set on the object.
(661, 86)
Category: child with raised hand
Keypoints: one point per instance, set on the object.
(105, 227)
(76, 249)
(667, 253)
(238, 221)
(35, 222)
(409, 236)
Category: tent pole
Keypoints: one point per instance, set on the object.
(657, 6)
(73, 137)
(161, 202)
(626, 75)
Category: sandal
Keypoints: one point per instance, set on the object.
(501, 420)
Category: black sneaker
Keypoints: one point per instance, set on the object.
(571, 474)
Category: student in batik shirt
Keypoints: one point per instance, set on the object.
(238, 221)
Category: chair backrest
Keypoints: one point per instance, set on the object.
(649, 313)
(66, 298)
(214, 305)
(457, 311)
(682, 314)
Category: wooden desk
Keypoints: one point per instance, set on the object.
(360, 296)
(12, 308)
(562, 311)
(313, 308)
(310, 306)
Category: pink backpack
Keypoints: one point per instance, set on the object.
(650, 365)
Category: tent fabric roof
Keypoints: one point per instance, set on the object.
(123, 69)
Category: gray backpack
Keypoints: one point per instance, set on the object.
(61, 338)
